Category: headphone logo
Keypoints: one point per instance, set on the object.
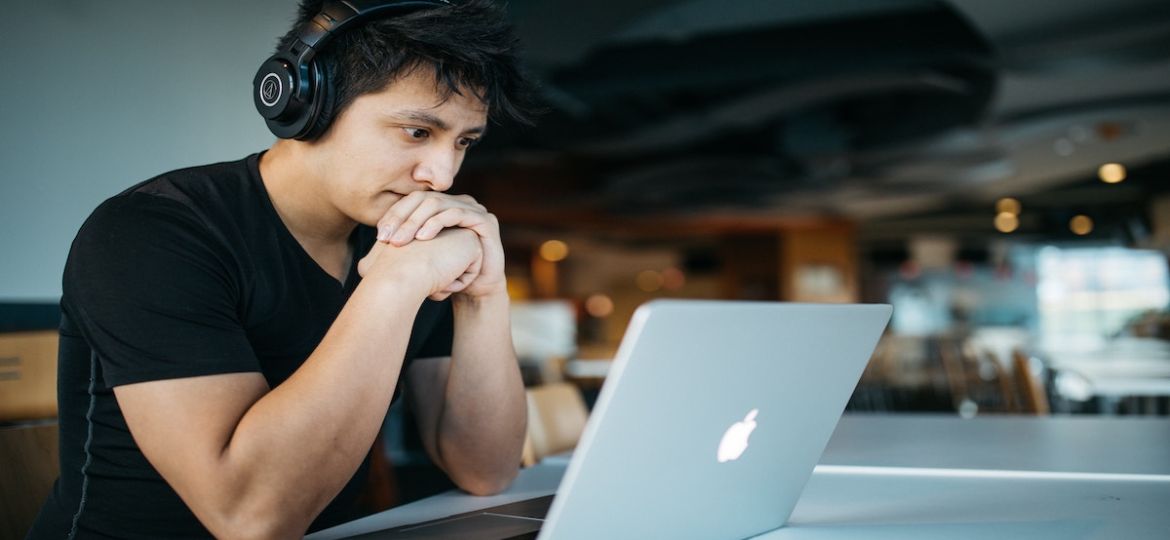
(270, 89)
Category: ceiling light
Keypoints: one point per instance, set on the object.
(1081, 225)
(1007, 205)
(1006, 222)
(1111, 173)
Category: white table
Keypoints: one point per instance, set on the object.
(901, 506)
(887, 476)
(1089, 444)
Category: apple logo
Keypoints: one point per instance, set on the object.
(735, 440)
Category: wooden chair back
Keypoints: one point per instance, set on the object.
(1033, 396)
(556, 419)
(28, 376)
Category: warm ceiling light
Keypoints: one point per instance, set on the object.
(1007, 205)
(554, 251)
(1006, 222)
(1111, 173)
(1081, 225)
(649, 280)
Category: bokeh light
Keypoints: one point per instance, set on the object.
(1111, 173)
(599, 305)
(1081, 225)
(673, 279)
(1006, 222)
(649, 280)
(554, 251)
(1007, 205)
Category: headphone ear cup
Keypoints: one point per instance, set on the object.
(285, 99)
(324, 99)
(273, 90)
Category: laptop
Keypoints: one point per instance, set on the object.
(708, 426)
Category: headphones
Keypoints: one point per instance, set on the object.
(291, 90)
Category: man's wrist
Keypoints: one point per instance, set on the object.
(497, 299)
(401, 280)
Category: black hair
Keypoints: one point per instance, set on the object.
(470, 46)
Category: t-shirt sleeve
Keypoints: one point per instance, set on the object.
(153, 291)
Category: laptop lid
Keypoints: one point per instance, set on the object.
(712, 418)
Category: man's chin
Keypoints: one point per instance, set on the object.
(378, 208)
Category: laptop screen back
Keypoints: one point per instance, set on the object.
(712, 418)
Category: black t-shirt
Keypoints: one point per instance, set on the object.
(190, 273)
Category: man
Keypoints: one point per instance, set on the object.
(232, 335)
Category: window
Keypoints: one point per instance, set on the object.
(1086, 295)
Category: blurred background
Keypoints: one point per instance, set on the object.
(997, 170)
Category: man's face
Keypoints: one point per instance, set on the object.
(388, 144)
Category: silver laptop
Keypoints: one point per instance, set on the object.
(708, 426)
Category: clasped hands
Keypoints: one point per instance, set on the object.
(458, 244)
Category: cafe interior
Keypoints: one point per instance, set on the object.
(997, 171)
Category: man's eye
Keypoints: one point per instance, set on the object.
(417, 133)
(468, 142)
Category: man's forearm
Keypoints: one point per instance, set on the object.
(297, 446)
(482, 426)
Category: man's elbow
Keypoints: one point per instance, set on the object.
(254, 524)
(483, 485)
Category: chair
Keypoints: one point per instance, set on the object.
(28, 376)
(978, 382)
(556, 419)
(28, 427)
(28, 456)
(1033, 396)
(953, 361)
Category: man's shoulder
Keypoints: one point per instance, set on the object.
(181, 221)
(200, 185)
(184, 204)
(213, 195)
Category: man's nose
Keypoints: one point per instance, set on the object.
(437, 169)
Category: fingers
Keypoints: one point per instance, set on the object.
(465, 280)
(457, 286)
(398, 213)
(452, 217)
(421, 215)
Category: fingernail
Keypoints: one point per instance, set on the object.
(400, 236)
(384, 232)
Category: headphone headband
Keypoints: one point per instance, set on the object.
(337, 15)
(289, 89)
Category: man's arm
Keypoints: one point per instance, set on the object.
(471, 408)
(257, 463)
